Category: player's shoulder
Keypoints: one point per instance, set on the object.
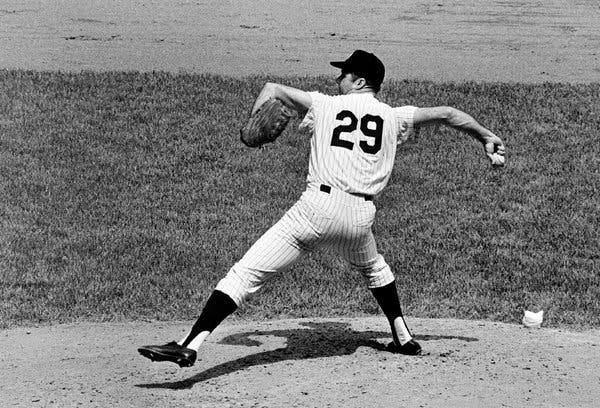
(317, 97)
(405, 110)
(321, 100)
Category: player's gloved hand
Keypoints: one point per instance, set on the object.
(266, 124)
(495, 151)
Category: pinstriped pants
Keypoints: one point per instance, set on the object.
(334, 220)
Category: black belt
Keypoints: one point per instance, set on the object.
(327, 189)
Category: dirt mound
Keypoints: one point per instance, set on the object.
(302, 363)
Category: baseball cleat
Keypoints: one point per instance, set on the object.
(182, 356)
(410, 348)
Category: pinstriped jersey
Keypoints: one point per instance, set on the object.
(354, 139)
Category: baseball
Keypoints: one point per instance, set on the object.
(498, 159)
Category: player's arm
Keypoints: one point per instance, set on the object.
(455, 118)
(292, 97)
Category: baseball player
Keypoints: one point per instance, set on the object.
(352, 152)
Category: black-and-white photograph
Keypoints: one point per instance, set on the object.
(300, 203)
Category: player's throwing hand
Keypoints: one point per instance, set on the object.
(495, 151)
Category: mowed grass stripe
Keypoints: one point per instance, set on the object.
(128, 196)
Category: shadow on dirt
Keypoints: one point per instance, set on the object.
(316, 340)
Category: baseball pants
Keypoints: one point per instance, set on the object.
(329, 219)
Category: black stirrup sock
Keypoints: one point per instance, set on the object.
(217, 308)
(387, 298)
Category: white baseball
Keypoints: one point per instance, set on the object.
(498, 159)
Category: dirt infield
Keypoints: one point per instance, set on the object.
(303, 363)
(446, 40)
(310, 362)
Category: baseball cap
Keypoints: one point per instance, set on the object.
(363, 64)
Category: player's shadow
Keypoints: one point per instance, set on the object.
(315, 340)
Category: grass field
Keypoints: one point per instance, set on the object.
(128, 196)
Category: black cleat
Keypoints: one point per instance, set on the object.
(410, 348)
(180, 355)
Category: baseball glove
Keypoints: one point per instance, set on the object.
(266, 124)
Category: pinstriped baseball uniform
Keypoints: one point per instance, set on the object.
(355, 141)
(353, 146)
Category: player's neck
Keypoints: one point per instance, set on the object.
(362, 91)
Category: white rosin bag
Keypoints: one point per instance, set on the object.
(533, 320)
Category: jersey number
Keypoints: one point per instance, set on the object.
(370, 126)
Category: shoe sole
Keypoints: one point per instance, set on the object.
(414, 353)
(156, 356)
(393, 349)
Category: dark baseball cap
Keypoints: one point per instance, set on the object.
(364, 64)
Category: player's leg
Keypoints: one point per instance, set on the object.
(387, 298)
(272, 253)
(360, 249)
(269, 255)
